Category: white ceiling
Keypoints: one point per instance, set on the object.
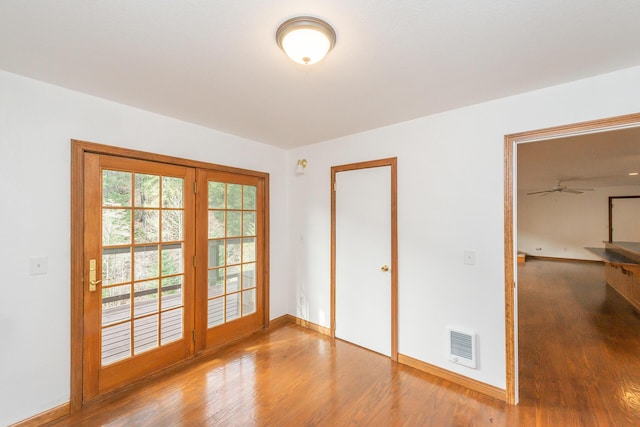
(602, 159)
(216, 63)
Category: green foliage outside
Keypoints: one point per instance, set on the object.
(156, 205)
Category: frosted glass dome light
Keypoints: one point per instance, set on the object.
(305, 39)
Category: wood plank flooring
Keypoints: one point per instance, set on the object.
(579, 348)
(579, 357)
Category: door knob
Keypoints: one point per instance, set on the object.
(384, 268)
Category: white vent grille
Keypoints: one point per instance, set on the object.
(462, 348)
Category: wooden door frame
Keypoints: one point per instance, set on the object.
(510, 141)
(393, 163)
(78, 150)
(611, 199)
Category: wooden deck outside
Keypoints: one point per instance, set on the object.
(116, 340)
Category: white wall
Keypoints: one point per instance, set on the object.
(561, 225)
(450, 199)
(37, 121)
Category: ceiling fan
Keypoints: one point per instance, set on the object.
(560, 188)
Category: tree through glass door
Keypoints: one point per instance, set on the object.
(143, 244)
(139, 314)
(169, 258)
(234, 256)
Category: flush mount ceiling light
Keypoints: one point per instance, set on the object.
(306, 39)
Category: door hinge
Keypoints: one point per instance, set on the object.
(193, 335)
(194, 261)
(195, 187)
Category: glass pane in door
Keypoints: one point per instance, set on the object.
(142, 263)
(232, 252)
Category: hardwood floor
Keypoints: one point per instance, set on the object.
(579, 347)
(292, 376)
(579, 356)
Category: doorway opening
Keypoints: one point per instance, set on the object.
(621, 225)
(510, 215)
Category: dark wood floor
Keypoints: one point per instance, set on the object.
(579, 356)
(579, 347)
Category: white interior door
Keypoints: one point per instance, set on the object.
(625, 220)
(363, 249)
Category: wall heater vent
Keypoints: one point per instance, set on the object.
(462, 348)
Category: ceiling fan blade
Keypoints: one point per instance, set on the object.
(540, 192)
(572, 191)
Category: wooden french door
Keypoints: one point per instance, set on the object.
(139, 240)
(169, 257)
(231, 257)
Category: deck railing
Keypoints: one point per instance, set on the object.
(116, 340)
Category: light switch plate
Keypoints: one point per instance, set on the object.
(470, 257)
(38, 265)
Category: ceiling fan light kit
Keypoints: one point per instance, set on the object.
(306, 39)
